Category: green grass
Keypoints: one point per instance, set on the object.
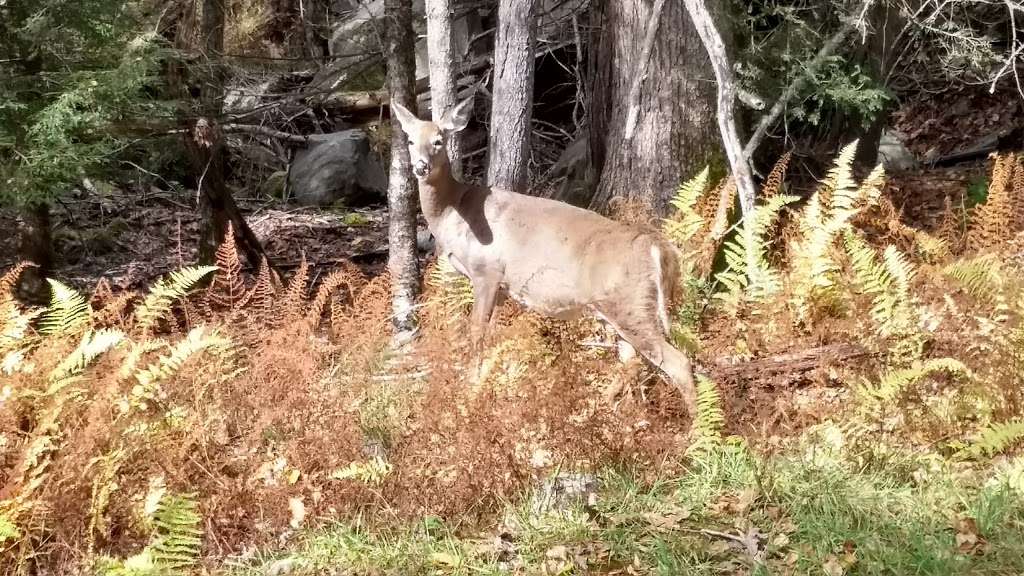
(892, 510)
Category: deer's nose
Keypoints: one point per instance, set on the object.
(420, 168)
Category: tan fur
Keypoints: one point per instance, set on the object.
(554, 258)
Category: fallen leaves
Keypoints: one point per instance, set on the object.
(842, 561)
(969, 540)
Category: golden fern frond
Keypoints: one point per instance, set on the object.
(981, 276)
(893, 384)
(995, 439)
(114, 312)
(684, 224)
(294, 300)
(773, 183)
(67, 313)
(709, 420)
(347, 276)
(196, 341)
(178, 541)
(1017, 195)
(162, 295)
(992, 220)
(839, 191)
(10, 279)
(92, 346)
(454, 292)
(227, 289)
(932, 249)
(263, 294)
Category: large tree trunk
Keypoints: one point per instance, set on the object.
(204, 141)
(36, 246)
(512, 103)
(402, 262)
(444, 64)
(675, 133)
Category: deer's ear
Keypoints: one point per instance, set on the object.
(456, 119)
(406, 118)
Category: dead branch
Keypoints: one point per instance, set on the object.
(791, 363)
(265, 131)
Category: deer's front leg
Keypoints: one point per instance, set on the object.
(485, 295)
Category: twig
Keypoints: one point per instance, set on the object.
(641, 69)
(265, 131)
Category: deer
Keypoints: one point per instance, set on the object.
(553, 258)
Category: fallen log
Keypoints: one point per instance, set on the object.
(788, 363)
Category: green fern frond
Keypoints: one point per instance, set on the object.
(748, 272)
(8, 530)
(709, 420)
(454, 291)
(686, 222)
(177, 542)
(163, 294)
(92, 346)
(893, 384)
(981, 277)
(995, 439)
(67, 313)
(371, 472)
(166, 366)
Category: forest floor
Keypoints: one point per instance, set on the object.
(312, 447)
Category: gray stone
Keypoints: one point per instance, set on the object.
(338, 167)
(893, 155)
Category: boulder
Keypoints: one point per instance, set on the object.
(338, 167)
(893, 155)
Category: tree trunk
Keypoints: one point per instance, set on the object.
(512, 103)
(444, 65)
(675, 133)
(204, 141)
(36, 246)
(402, 258)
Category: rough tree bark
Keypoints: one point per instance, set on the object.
(726, 84)
(512, 102)
(675, 134)
(204, 141)
(35, 245)
(402, 203)
(444, 66)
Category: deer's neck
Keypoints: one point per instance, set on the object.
(439, 191)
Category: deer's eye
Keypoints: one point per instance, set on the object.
(411, 143)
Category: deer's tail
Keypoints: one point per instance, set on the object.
(666, 278)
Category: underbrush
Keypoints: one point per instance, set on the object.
(218, 415)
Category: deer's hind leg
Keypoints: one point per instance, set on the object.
(648, 338)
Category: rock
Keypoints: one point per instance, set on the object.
(338, 167)
(566, 490)
(893, 155)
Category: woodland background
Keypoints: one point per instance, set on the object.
(213, 238)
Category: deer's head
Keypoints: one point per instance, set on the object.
(428, 140)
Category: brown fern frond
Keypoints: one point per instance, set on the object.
(992, 220)
(718, 225)
(348, 277)
(263, 294)
(294, 300)
(951, 228)
(101, 294)
(773, 183)
(115, 311)
(10, 279)
(1017, 195)
(227, 290)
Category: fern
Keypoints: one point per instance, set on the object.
(748, 273)
(888, 283)
(10, 279)
(893, 384)
(174, 547)
(981, 277)
(815, 271)
(294, 300)
(686, 222)
(454, 292)
(8, 530)
(371, 472)
(709, 420)
(163, 294)
(995, 439)
(92, 346)
(166, 366)
(67, 313)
